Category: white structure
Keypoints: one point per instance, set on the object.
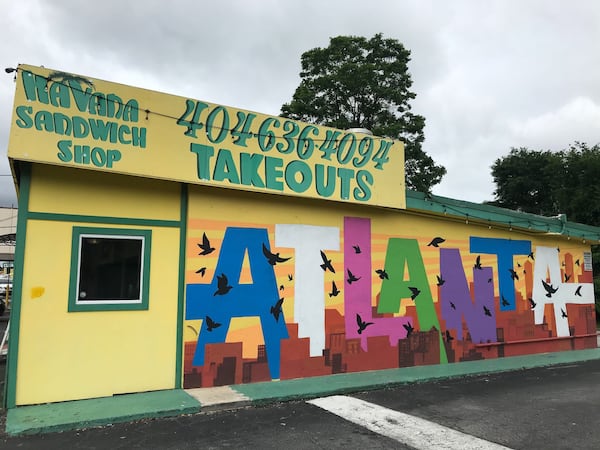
(8, 229)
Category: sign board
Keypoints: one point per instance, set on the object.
(587, 261)
(71, 120)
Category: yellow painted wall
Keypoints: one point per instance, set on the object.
(65, 356)
(78, 191)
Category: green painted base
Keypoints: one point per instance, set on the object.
(99, 411)
(352, 382)
(123, 408)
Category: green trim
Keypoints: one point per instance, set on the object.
(15, 310)
(116, 306)
(103, 219)
(499, 217)
(181, 289)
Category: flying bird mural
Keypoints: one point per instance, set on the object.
(205, 246)
(550, 289)
(211, 324)
(351, 277)
(326, 263)
(276, 309)
(382, 274)
(436, 241)
(362, 324)
(273, 258)
(222, 285)
(334, 290)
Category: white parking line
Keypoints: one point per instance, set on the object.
(410, 430)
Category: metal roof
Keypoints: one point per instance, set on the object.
(496, 217)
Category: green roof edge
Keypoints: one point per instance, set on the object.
(499, 217)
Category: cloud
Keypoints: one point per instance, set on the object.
(577, 120)
(488, 75)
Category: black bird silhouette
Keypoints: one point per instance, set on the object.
(281, 288)
(577, 263)
(532, 303)
(273, 258)
(382, 274)
(452, 305)
(518, 264)
(563, 313)
(211, 324)
(486, 311)
(415, 292)
(409, 328)
(549, 289)
(334, 290)
(326, 263)
(489, 280)
(362, 324)
(513, 274)
(558, 249)
(448, 336)
(351, 277)
(201, 271)
(531, 256)
(440, 280)
(356, 249)
(436, 241)
(290, 277)
(477, 263)
(567, 277)
(205, 246)
(222, 287)
(578, 291)
(276, 309)
(504, 301)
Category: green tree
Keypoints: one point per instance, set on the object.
(550, 183)
(364, 83)
(580, 191)
(528, 180)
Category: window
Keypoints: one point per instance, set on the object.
(110, 269)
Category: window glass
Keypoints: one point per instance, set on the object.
(110, 269)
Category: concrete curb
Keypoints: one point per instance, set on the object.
(125, 408)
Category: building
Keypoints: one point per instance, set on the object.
(8, 229)
(166, 243)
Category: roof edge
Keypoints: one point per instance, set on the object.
(499, 217)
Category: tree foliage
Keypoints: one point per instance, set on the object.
(365, 83)
(550, 183)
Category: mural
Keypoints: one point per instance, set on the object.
(282, 301)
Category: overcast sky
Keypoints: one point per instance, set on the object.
(489, 75)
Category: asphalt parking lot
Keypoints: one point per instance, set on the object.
(553, 407)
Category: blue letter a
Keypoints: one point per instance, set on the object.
(232, 299)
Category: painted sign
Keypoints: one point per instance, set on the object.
(269, 301)
(66, 119)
